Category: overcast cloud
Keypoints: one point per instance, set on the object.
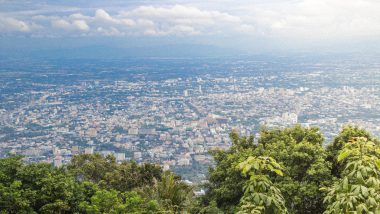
(311, 20)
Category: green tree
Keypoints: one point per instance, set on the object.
(129, 175)
(112, 201)
(225, 186)
(134, 203)
(37, 188)
(57, 192)
(358, 191)
(14, 199)
(9, 168)
(107, 173)
(260, 194)
(92, 167)
(348, 132)
(301, 155)
(172, 193)
(104, 201)
(89, 185)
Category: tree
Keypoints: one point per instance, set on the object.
(112, 201)
(358, 191)
(104, 201)
(134, 203)
(29, 188)
(299, 152)
(107, 173)
(57, 192)
(92, 167)
(225, 187)
(90, 184)
(171, 193)
(260, 195)
(129, 175)
(9, 168)
(14, 199)
(348, 132)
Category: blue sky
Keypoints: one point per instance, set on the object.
(248, 25)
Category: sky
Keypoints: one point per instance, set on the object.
(253, 26)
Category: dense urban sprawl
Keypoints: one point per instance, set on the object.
(175, 115)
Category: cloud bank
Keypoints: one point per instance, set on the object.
(303, 19)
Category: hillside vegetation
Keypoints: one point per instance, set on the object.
(284, 171)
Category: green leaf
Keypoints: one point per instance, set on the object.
(345, 183)
(343, 155)
(278, 172)
(378, 164)
(364, 191)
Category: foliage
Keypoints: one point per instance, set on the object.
(13, 198)
(301, 156)
(90, 184)
(260, 195)
(92, 167)
(348, 132)
(226, 182)
(107, 173)
(171, 193)
(358, 191)
(284, 170)
(104, 201)
(198, 208)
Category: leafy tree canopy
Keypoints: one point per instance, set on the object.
(358, 191)
(283, 171)
(89, 184)
(299, 152)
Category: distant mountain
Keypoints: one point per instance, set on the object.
(107, 51)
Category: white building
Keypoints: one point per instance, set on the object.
(89, 150)
(120, 156)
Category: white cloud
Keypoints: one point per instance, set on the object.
(315, 19)
(102, 17)
(301, 19)
(179, 20)
(81, 25)
(181, 14)
(9, 24)
(145, 20)
(75, 25)
(80, 16)
(61, 23)
(111, 31)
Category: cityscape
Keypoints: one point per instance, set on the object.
(173, 111)
(191, 107)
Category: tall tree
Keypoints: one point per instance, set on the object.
(172, 193)
(358, 191)
(226, 182)
(260, 195)
(348, 133)
(92, 167)
(300, 153)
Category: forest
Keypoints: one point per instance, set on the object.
(287, 170)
